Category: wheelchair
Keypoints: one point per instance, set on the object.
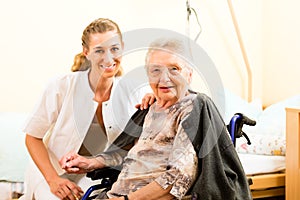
(110, 175)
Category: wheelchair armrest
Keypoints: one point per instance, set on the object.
(236, 124)
(104, 173)
(108, 176)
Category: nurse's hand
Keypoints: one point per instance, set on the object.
(147, 101)
(150, 98)
(65, 189)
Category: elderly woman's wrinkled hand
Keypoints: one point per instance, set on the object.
(74, 163)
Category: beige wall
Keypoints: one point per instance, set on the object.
(281, 49)
(40, 38)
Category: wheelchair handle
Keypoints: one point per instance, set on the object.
(246, 120)
(236, 125)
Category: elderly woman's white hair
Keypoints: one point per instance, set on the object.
(177, 46)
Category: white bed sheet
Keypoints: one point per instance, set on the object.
(262, 164)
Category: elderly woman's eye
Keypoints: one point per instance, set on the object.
(174, 69)
(115, 49)
(155, 70)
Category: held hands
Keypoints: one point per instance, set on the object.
(74, 163)
(65, 189)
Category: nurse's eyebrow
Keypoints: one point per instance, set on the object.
(101, 47)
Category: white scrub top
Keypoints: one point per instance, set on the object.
(66, 109)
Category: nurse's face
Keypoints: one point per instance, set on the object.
(104, 53)
(168, 75)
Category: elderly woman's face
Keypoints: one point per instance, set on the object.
(168, 76)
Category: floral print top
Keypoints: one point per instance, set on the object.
(163, 153)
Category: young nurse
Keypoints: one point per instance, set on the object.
(77, 112)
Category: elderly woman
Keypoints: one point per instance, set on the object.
(167, 156)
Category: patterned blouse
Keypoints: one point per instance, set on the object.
(163, 153)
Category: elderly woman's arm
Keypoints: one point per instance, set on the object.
(152, 191)
(75, 163)
(179, 176)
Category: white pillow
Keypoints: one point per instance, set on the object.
(272, 121)
(235, 104)
(13, 153)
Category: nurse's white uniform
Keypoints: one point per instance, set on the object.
(64, 115)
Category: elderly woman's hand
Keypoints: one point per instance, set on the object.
(74, 163)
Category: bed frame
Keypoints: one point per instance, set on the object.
(285, 184)
(267, 185)
(292, 153)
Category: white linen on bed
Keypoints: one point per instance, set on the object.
(262, 144)
(261, 164)
(268, 136)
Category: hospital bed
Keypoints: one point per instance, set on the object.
(264, 160)
(288, 182)
(272, 161)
